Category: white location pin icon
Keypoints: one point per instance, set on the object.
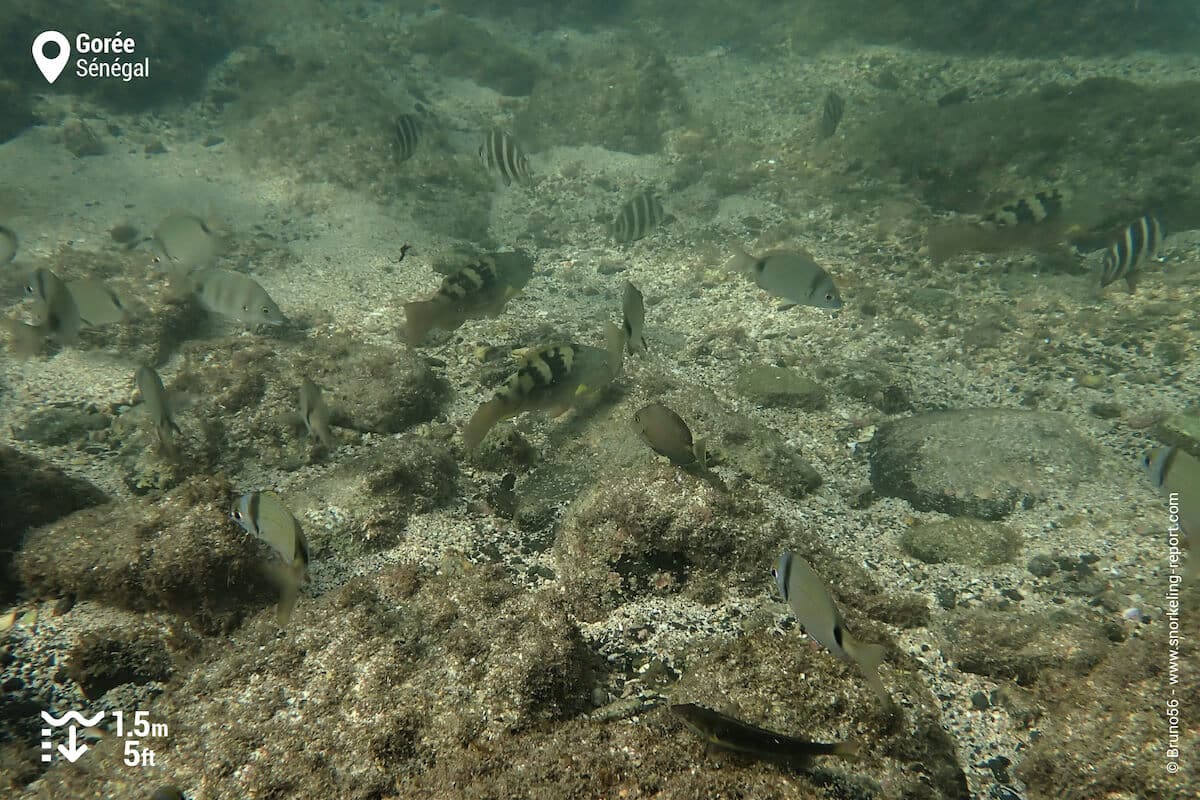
(51, 67)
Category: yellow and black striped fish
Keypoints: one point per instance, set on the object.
(480, 289)
(408, 134)
(501, 154)
(640, 215)
(1032, 209)
(553, 377)
(1137, 245)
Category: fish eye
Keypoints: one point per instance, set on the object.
(266, 311)
(828, 296)
(237, 515)
(774, 572)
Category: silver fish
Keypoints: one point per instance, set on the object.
(634, 312)
(501, 154)
(96, 302)
(1137, 246)
(1177, 473)
(408, 134)
(8, 245)
(264, 515)
(184, 242)
(641, 214)
(158, 406)
(55, 306)
(792, 275)
(235, 295)
(315, 413)
(805, 592)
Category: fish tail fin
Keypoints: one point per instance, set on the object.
(741, 261)
(849, 749)
(180, 282)
(487, 415)
(420, 317)
(700, 451)
(288, 580)
(26, 340)
(615, 339)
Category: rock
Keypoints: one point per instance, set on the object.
(1042, 565)
(978, 463)
(1013, 646)
(963, 540)
(629, 536)
(79, 138)
(1089, 724)
(1182, 431)
(618, 95)
(463, 48)
(179, 553)
(774, 463)
(34, 495)
(778, 387)
(110, 657)
(61, 425)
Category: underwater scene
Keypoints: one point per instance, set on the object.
(585, 399)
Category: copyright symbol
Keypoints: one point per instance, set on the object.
(1172, 767)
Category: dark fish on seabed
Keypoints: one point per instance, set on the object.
(8, 245)
(668, 435)
(726, 733)
(639, 215)
(264, 515)
(480, 289)
(792, 275)
(553, 378)
(408, 134)
(502, 156)
(831, 114)
(158, 405)
(315, 414)
(1177, 472)
(802, 588)
(1137, 246)
(633, 312)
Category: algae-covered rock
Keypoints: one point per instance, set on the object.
(779, 387)
(61, 425)
(978, 463)
(1091, 725)
(1182, 431)
(109, 657)
(35, 494)
(180, 553)
(1021, 647)
(962, 540)
(633, 535)
(754, 678)
(463, 48)
(621, 95)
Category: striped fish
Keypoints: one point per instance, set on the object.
(1033, 209)
(501, 154)
(158, 405)
(1126, 256)
(640, 215)
(237, 296)
(408, 133)
(831, 114)
(263, 515)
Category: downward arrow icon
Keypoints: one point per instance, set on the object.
(71, 751)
